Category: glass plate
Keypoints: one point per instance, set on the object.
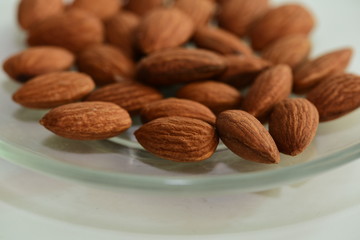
(120, 162)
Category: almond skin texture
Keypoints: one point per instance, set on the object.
(179, 66)
(200, 11)
(74, 30)
(103, 9)
(282, 21)
(31, 12)
(178, 139)
(293, 124)
(313, 72)
(176, 107)
(131, 96)
(220, 41)
(336, 96)
(36, 61)
(247, 137)
(242, 70)
(269, 88)
(215, 95)
(120, 31)
(164, 28)
(142, 7)
(237, 16)
(292, 50)
(87, 120)
(54, 89)
(105, 64)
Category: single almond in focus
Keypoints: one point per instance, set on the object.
(269, 88)
(103, 9)
(180, 65)
(87, 120)
(54, 89)
(36, 61)
(237, 16)
(105, 64)
(176, 107)
(164, 28)
(74, 30)
(142, 7)
(31, 12)
(121, 30)
(292, 50)
(244, 135)
(293, 124)
(336, 96)
(279, 22)
(200, 11)
(242, 70)
(313, 72)
(220, 41)
(178, 139)
(131, 96)
(215, 95)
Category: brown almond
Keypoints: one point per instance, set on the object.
(215, 95)
(237, 16)
(103, 9)
(164, 28)
(176, 107)
(200, 11)
(336, 96)
(244, 135)
(74, 30)
(142, 7)
(131, 96)
(178, 139)
(293, 124)
(313, 72)
(31, 12)
(121, 30)
(180, 65)
(220, 41)
(87, 120)
(36, 61)
(292, 50)
(270, 87)
(242, 70)
(54, 89)
(279, 22)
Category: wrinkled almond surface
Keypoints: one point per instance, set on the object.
(103, 9)
(200, 11)
(142, 7)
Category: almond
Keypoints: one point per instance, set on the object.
(200, 11)
(244, 135)
(164, 28)
(178, 139)
(313, 72)
(36, 61)
(54, 89)
(220, 41)
(131, 96)
(237, 16)
(74, 30)
(269, 88)
(292, 50)
(105, 64)
(242, 70)
(176, 107)
(293, 124)
(103, 9)
(215, 95)
(282, 21)
(180, 65)
(87, 120)
(142, 7)
(120, 31)
(336, 96)
(31, 12)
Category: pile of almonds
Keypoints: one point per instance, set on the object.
(96, 64)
